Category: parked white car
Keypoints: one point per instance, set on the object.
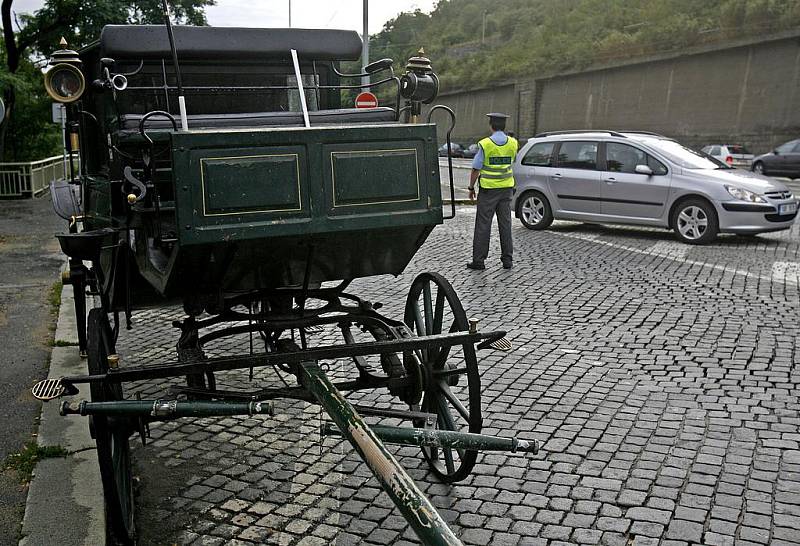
(735, 155)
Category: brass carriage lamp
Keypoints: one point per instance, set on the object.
(420, 84)
(63, 79)
(65, 83)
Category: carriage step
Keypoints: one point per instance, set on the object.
(50, 389)
(502, 344)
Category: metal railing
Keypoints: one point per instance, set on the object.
(30, 178)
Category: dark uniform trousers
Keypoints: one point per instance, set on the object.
(491, 202)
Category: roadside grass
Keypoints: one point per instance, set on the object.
(54, 297)
(25, 461)
(63, 343)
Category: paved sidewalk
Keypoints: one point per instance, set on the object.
(65, 499)
(662, 379)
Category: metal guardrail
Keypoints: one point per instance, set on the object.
(30, 178)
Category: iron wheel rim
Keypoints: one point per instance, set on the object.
(111, 435)
(457, 406)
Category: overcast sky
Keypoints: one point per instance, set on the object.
(345, 14)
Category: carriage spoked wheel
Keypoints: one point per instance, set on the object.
(111, 435)
(451, 383)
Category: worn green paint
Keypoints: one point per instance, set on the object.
(237, 184)
(268, 206)
(424, 437)
(298, 182)
(167, 408)
(418, 511)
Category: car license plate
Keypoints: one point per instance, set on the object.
(788, 208)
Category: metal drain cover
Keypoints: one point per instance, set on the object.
(49, 389)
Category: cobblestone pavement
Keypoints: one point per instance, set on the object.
(661, 378)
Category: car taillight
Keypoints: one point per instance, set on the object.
(729, 160)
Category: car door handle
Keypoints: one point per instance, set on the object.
(557, 175)
(611, 180)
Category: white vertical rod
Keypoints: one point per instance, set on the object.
(365, 45)
(300, 87)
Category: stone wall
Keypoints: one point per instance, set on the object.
(746, 92)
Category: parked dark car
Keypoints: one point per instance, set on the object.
(456, 150)
(471, 151)
(782, 161)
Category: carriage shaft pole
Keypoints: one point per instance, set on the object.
(424, 437)
(167, 408)
(418, 511)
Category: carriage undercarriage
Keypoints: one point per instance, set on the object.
(427, 362)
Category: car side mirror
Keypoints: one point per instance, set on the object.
(643, 169)
(776, 152)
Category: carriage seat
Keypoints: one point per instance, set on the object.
(341, 116)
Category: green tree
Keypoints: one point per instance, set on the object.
(26, 132)
(525, 38)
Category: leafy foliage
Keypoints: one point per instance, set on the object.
(28, 133)
(472, 42)
(80, 21)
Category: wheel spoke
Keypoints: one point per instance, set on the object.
(448, 460)
(420, 325)
(447, 373)
(426, 296)
(453, 399)
(684, 217)
(447, 423)
(438, 314)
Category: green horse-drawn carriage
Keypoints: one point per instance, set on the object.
(219, 171)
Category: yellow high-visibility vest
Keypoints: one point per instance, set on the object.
(497, 160)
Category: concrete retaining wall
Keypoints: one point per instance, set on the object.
(747, 92)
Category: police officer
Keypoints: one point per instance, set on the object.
(492, 166)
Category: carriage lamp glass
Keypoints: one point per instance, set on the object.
(64, 82)
(744, 195)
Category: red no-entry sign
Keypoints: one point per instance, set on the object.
(366, 100)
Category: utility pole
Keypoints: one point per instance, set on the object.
(365, 44)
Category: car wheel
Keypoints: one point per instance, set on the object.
(758, 168)
(533, 210)
(695, 222)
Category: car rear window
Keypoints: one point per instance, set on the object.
(539, 155)
(578, 155)
(737, 149)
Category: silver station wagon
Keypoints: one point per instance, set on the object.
(643, 179)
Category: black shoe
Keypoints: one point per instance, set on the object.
(507, 265)
(476, 265)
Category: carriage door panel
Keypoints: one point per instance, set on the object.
(373, 179)
(235, 193)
